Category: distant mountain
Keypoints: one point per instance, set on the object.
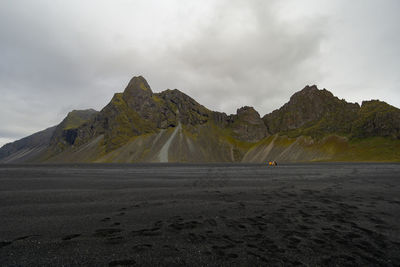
(66, 132)
(27, 148)
(318, 113)
(141, 126)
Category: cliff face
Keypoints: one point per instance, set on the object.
(377, 118)
(317, 113)
(247, 125)
(312, 112)
(138, 125)
(66, 131)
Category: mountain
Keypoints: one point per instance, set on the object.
(138, 125)
(312, 112)
(27, 148)
(317, 113)
(31, 148)
(66, 131)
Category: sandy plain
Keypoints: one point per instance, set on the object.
(320, 214)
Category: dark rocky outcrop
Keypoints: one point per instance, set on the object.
(184, 108)
(66, 132)
(377, 118)
(139, 111)
(247, 125)
(318, 113)
(312, 112)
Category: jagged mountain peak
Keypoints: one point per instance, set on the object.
(137, 90)
(138, 82)
(175, 93)
(138, 96)
(245, 109)
(82, 113)
(312, 93)
(247, 125)
(67, 129)
(185, 109)
(248, 113)
(310, 88)
(376, 103)
(76, 118)
(178, 98)
(306, 106)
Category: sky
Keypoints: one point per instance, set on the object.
(56, 56)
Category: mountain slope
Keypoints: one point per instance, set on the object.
(138, 125)
(27, 148)
(31, 148)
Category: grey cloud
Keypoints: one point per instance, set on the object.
(250, 62)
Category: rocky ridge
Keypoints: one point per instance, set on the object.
(137, 124)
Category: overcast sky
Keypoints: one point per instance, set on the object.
(56, 55)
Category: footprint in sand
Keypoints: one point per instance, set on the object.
(126, 262)
(69, 237)
(106, 232)
(178, 226)
(171, 248)
(195, 238)
(5, 243)
(159, 223)
(147, 232)
(318, 241)
(251, 253)
(115, 240)
(142, 247)
(24, 237)
(210, 222)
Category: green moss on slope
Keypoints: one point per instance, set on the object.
(122, 123)
(371, 149)
(377, 118)
(76, 118)
(227, 135)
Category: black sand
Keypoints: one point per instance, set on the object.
(200, 215)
